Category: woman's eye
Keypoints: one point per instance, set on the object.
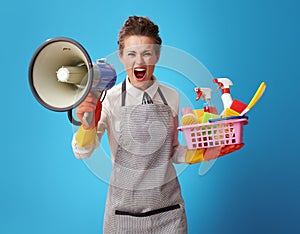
(131, 54)
(147, 54)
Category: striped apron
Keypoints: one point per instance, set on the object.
(144, 194)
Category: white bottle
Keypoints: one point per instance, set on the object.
(224, 84)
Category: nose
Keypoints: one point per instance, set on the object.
(140, 60)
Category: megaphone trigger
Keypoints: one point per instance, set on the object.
(87, 118)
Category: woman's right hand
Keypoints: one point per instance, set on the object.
(90, 104)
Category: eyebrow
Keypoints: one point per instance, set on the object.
(130, 51)
(134, 51)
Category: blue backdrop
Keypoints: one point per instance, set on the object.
(44, 189)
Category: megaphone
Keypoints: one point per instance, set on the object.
(61, 75)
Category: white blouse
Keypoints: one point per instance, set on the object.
(110, 118)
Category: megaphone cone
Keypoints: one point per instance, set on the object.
(61, 74)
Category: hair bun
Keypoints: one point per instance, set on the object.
(139, 25)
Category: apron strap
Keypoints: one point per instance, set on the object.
(162, 96)
(124, 94)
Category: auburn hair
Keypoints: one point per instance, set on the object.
(139, 26)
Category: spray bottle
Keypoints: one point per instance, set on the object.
(224, 84)
(205, 93)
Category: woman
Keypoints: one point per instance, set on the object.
(141, 119)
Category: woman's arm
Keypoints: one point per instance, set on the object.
(179, 151)
(87, 139)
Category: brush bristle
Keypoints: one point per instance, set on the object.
(189, 119)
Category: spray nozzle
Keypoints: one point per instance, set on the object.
(223, 82)
(205, 93)
(220, 85)
(198, 92)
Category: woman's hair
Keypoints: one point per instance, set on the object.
(139, 26)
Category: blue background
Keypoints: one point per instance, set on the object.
(44, 189)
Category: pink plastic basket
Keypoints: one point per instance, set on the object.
(206, 135)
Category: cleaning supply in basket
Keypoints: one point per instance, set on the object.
(238, 106)
(224, 84)
(255, 98)
(229, 112)
(216, 135)
(207, 116)
(199, 114)
(188, 117)
(235, 109)
(205, 93)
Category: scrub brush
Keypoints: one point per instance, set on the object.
(188, 117)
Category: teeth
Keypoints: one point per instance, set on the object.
(139, 69)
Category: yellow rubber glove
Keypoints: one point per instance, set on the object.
(218, 151)
(85, 135)
(194, 156)
(85, 138)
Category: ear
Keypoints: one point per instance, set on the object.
(120, 54)
(157, 56)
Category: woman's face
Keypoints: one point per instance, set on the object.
(139, 57)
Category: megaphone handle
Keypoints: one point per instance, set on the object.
(87, 118)
(72, 120)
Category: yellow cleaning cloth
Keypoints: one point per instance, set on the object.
(199, 114)
(85, 138)
(230, 112)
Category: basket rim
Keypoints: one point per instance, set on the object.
(242, 120)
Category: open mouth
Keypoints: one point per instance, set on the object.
(140, 73)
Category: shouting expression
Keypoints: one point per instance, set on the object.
(139, 57)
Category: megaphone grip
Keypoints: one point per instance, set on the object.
(95, 116)
(87, 118)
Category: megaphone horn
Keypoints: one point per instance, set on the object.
(61, 74)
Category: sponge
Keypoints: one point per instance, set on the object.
(207, 116)
(189, 119)
(230, 112)
(238, 106)
(199, 114)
